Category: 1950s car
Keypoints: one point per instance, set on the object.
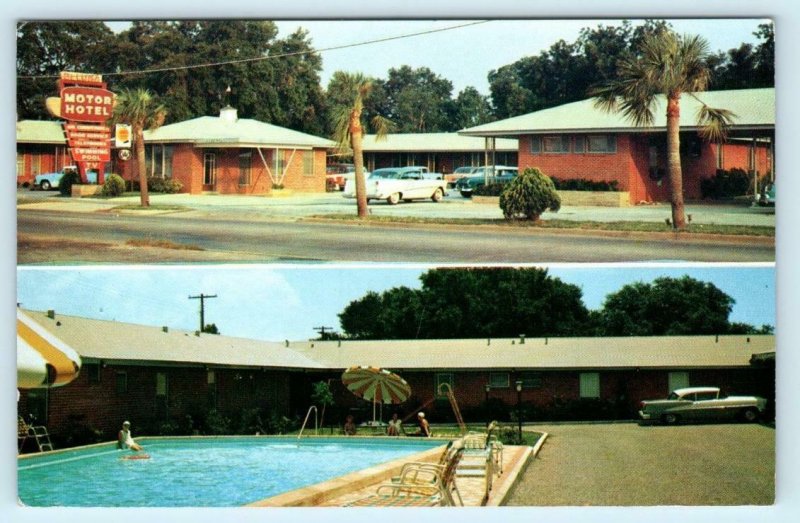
(701, 404)
(401, 183)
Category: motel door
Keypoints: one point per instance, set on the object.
(209, 172)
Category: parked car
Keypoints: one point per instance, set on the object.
(767, 196)
(459, 173)
(481, 175)
(401, 183)
(700, 404)
(47, 181)
(336, 174)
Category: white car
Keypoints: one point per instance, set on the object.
(394, 184)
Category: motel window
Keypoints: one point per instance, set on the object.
(211, 380)
(531, 380)
(279, 163)
(121, 382)
(92, 372)
(245, 162)
(720, 156)
(580, 144)
(20, 164)
(308, 163)
(602, 143)
(444, 379)
(589, 385)
(677, 380)
(209, 169)
(550, 144)
(161, 395)
(158, 159)
(36, 164)
(499, 380)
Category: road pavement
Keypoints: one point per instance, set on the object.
(625, 464)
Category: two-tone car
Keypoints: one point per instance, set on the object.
(482, 175)
(701, 404)
(395, 184)
(47, 181)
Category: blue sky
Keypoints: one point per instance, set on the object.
(288, 302)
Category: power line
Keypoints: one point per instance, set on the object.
(270, 57)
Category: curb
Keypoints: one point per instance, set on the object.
(519, 469)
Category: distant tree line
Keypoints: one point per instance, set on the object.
(286, 90)
(509, 302)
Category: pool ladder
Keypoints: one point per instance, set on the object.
(316, 422)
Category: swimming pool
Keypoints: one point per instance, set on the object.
(198, 472)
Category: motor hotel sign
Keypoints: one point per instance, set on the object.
(86, 104)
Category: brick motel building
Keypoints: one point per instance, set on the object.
(221, 154)
(154, 375)
(580, 141)
(439, 152)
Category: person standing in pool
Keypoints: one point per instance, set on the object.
(125, 440)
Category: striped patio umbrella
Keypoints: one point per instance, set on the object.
(376, 385)
(42, 359)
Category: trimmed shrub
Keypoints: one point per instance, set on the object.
(69, 179)
(727, 184)
(164, 185)
(529, 195)
(114, 185)
(582, 184)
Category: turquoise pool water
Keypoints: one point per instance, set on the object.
(198, 472)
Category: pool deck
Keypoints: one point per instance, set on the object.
(340, 491)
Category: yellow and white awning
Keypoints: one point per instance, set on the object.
(42, 359)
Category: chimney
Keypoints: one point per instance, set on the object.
(51, 314)
(164, 329)
(228, 114)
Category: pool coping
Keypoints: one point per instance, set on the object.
(320, 493)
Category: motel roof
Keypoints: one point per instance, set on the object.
(231, 131)
(432, 142)
(141, 344)
(754, 109)
(40, 131)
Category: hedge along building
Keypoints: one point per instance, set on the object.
(439, 152)
(232, 155)
(581, 141)
(156, 375)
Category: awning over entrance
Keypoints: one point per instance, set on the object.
(42, 359)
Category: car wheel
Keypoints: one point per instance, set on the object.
(45, 185)
(466, 194)
(393, 198)
(750, 415)
(670, 418)
(437, 195)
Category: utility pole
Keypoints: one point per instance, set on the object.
(322, 330)
(202, 298)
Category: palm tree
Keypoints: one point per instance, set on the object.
(349, 131)
(670, 65)
(139, 109)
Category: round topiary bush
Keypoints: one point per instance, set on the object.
(69, 179)
(114, 185)
(529, 195)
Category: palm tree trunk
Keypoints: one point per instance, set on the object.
(356, 135)
(674, 162)
(141, 167)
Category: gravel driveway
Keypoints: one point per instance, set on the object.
(628, 465)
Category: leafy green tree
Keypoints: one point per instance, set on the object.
(667, 306)
(321, 395)
(417, 100)
(470, 108)
(140, 109)
(529, 195)
(349, 130)
(360, 318)
(211, 328)
(668, 65)
(44, 49)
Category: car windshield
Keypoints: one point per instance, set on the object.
(463, 170)
(384, 173)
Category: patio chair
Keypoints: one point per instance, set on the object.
(37, 432)
(483, 458)
(420, 485)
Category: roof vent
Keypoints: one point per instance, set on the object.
(164, 329)
(228, 114)
(51, 314)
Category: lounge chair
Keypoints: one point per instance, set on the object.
(483, 457)
(420, 485)
(37, 432)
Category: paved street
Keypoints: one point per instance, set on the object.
(625, 464)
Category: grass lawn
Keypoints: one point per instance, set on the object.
(620, 226)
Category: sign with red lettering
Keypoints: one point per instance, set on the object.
(86, 104)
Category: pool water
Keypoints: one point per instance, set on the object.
(197, 472)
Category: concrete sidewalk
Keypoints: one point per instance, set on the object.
(300, 205)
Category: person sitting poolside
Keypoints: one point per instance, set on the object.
(394, 426)
(424, 428)
(125, 440)
(349, 426)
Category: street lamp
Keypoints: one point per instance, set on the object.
(519, 408)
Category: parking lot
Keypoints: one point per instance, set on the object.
(625, 464)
